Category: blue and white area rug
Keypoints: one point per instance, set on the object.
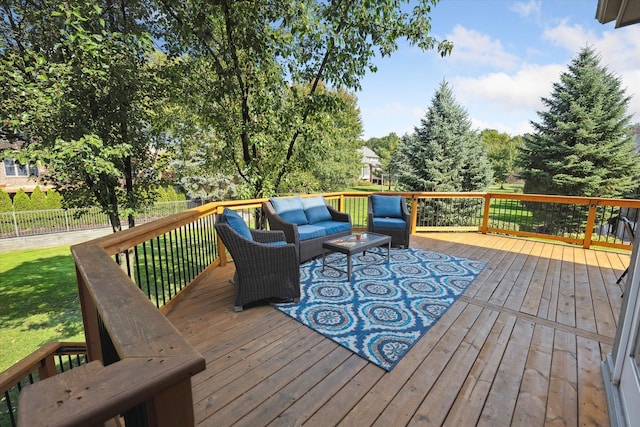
(385, 308)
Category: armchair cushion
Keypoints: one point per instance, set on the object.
(236, 222)
(290, 209)
(315, 209)
(386, 206)
(398, 223)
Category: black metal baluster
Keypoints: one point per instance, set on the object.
(136, 254)
(146, 268)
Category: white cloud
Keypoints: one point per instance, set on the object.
(518, 128)
(480, 49)
(571, 37)
(521, 90)
(527, 9)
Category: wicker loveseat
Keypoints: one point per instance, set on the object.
(306, 222)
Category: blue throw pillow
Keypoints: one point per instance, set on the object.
(386, 206)
(290, 209)
(236, 222)
(316, 209)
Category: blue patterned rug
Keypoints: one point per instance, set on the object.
(385, 308)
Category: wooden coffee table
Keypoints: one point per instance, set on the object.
(351, 245)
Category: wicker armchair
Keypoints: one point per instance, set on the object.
(266, 267)
(389, 215)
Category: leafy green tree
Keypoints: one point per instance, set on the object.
(54, 200)
(502, 152)
(583, 144)
(6, 205)
(38, 199)
(84, 91)
(444, 153)
(253, 71)
(327, 158)
(21, 201)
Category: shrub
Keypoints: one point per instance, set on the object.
(54, 200)
(172, 196)
(162, 195)
(6, 205)
(39, 199)
(22, 202)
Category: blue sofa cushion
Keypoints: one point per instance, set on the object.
(386, 206)
(389, 223)
(290, 209)
(306, 232)
(332, 227)
(236, 222)
(316, 209)
(278, 243)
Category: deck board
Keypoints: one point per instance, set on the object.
(522, 346)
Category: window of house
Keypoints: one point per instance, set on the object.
(13, 168)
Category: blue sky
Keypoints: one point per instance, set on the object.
(506, 56)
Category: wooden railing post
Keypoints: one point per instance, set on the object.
(222, 251)
(591, 220)
(414, 213)
(47, 368)
(90, 321)
(485, 215)
(173, 407)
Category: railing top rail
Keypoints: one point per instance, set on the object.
(139, 328)
(566, 199)
(24, 367)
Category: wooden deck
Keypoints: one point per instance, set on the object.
(522, 346)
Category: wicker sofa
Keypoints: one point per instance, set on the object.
(306, 222)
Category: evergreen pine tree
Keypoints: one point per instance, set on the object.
(444, 154)
(38, 199)
(6, 205)
(22, 202)
(582, 145)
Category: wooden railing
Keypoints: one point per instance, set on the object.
(140, 365)
(49, 360)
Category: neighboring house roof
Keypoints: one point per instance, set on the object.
(622, 11)
(7, 145)
(369, 156)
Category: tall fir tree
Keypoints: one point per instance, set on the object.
(444, 153)
(583, 144)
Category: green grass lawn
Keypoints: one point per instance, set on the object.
(39, 302)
